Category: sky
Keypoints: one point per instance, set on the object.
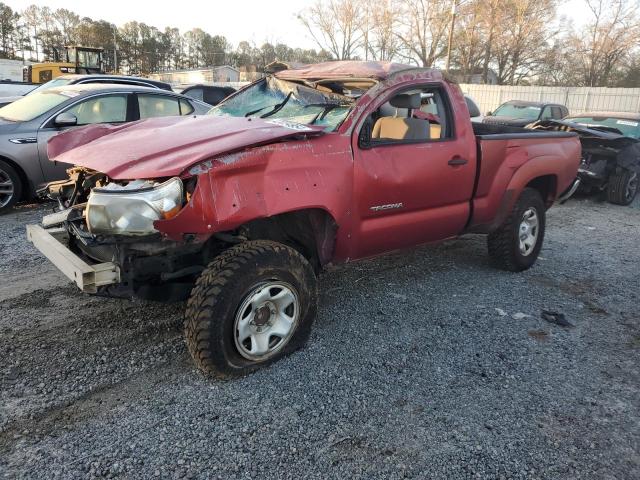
(254, 20)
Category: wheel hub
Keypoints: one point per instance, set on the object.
(528, 231)
(632, 186)
(264, 314)
(266, 320)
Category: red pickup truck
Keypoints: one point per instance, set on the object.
(240, 209)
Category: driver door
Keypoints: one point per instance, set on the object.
(414, 178)
(107, 108)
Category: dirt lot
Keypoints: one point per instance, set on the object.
(424, 364)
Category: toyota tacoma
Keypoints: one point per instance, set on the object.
(239, 210)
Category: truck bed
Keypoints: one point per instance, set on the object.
(508, 158)
(487, 131)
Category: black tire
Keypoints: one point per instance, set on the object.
(504, 243)
(225, 285)
(9, 178)
(622, 187)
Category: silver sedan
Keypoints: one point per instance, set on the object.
(27, 125)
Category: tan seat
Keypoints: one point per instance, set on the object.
(397, 128)
(394, 128)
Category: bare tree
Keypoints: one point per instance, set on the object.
(472, 36)
(67, 21)
(422, 29)
(336, 26)
(522, 38)
(612, 34)
(31, 17)
(381, 40)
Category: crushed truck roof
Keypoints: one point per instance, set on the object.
(344, 69)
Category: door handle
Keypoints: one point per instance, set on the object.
(457, 161)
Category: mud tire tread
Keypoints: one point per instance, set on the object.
(212, 288)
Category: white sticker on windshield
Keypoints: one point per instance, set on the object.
(627, 122)
(290, 125)
(69, 93)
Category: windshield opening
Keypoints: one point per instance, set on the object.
(274, 98)
(517, 111)
(32, 106)
(628, 128)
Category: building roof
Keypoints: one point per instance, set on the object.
(343, 69)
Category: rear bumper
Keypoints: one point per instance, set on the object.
(569, 191)
(53, 244)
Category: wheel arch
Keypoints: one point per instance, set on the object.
(311, 231)
(547, 186)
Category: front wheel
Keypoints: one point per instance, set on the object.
(253, 304)
(10, 187)
(516, 244)
(622, 187)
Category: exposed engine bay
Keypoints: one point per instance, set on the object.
(113, 221)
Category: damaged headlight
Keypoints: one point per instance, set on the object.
(132, 209)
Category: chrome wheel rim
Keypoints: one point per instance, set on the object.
(632, 187)
(266, 320)
(6, 188)
(528, 231)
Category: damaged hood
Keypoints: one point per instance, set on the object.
(603, 133)
(166, 146)
(621, 151)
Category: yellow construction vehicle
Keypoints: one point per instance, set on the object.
(75, 59)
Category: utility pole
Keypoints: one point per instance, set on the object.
(115, 50)
(453, 22)
(366, 33)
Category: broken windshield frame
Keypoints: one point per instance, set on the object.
(287, 100)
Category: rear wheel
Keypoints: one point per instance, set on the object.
(515, 246)
(253, 304)
(622, 187)
(10, 186)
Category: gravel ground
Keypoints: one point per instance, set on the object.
(422, 364)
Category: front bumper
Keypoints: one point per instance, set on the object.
(53, 244)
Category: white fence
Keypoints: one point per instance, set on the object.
(577, 99)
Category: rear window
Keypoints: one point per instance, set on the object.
(557, 112)
(195, 93)
(628, 128)
(32, 106)
(517, 111)
(157, 106)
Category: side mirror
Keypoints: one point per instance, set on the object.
(65, 119)
(489, 113)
